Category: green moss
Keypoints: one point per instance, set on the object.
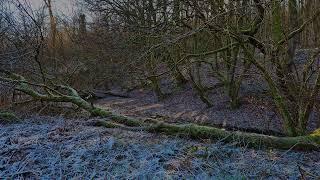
(106, 124)
(100, 112)
(315, 136)
(8, 117)
(125, 120)
(277, 22)
(310, 142)
(316, 133)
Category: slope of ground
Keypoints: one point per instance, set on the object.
(257, 112)
(185, 106)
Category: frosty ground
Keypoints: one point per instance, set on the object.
(55, 147)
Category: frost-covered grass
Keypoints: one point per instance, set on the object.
(44, 147)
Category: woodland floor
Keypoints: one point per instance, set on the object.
(256, 113)
(43, 147)
(50, 148)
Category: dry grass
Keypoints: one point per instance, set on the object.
(47, 147)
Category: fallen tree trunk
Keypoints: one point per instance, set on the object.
(51, 94)
(308, 142)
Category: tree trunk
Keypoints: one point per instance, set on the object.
(309, 142)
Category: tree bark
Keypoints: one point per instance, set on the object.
(308, 142)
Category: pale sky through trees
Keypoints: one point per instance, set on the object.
(66, 7)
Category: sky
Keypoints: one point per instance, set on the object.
(65, 7)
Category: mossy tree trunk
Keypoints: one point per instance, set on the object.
(293, 99)
(173, 58)
(308, 142)
(54, 93)
(197, 85)
(153, 78)
(311, 141)
(234, 82)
